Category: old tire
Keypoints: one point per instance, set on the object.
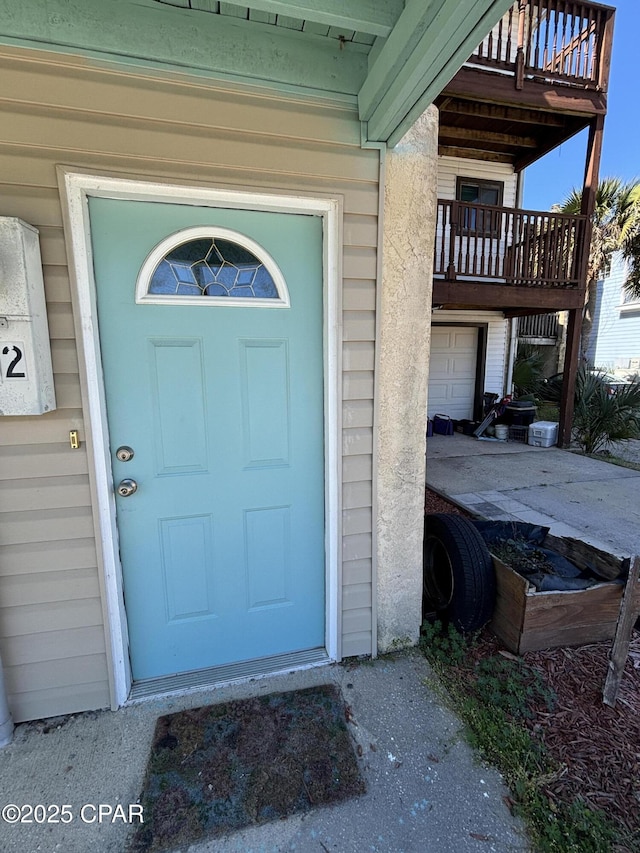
(458, 575)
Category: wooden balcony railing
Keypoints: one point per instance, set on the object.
(544, 326)
(504, 245)
(567, 42)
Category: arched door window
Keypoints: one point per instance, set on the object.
(211, 266)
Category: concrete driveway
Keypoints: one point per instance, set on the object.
(574, 495)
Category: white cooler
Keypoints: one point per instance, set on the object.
(543, 433)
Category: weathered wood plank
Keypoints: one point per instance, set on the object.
(604, 565)
(628, 614)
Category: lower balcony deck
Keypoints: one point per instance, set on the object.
(520, 261)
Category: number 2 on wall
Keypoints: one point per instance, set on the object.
(14, 369)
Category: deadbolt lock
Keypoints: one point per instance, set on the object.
(124, 453)
(127, 487)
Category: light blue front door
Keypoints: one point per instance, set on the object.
(222, 544)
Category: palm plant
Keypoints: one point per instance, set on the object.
(600, 416)
(616, 226)
(528, 370)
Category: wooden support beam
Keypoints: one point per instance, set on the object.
(629, 611)
(488, 137)
(501, 297)
(474, 154)
(572, 349)
(498, 113)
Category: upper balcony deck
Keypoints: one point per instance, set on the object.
(539, 77)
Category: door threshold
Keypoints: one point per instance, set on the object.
(216, 676)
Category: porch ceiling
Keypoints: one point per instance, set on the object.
(391, 57)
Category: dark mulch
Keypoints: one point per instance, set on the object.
(436, 503)
(217, 769)
(597, 748)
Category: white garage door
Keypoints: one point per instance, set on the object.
(452, 371)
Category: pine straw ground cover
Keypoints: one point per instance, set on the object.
(585, 756)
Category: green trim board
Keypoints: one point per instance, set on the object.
(430, 42)
(146, 31)
(395, 79)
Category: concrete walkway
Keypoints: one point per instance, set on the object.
(574, 495)
(426, 793)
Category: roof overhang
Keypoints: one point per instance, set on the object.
(390, 57)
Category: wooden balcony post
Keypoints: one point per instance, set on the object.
(604, 65)
(519, 79)
(574, 326)
(453, 233)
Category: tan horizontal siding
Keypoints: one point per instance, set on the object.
(359, 325)
(356, 644)
(48, 556)
(50, 645)
(358, 355)
(36, 168)
(52, 703)
(359, 263)
(56, 284)
(121, 94)
(64, 110)
(357, 596)
(357, 413)
(21, 462)
(355, 521)
(53, 616)
(356, 621)
(356, 495)
(357, 441)
(44, 492)
(46, 525)
(357, 468)
(358, 385)
(356, 571)
(53, 673)
(40, 588)
(64, 356)
(161, 140)
(26, 431)
(359, 295)
(357, 546)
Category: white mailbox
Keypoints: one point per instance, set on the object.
(26, 375)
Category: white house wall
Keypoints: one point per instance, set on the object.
(451, 168)
(126, 122)
(497, 342)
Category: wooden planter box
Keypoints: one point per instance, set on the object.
(526, 620)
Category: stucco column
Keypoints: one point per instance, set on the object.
(404, 338)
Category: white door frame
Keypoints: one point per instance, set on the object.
(75, 188)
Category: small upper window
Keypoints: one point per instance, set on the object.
(480, 193)
(211, 266)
